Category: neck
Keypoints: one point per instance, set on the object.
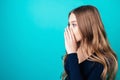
(82, 55)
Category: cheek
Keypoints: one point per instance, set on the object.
(77, 34)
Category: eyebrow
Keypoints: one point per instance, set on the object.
(73, 21)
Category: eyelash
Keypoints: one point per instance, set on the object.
(72, 25)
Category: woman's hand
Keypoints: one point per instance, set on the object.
(70, 42)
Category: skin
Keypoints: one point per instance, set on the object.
(74, 25)
(72, 36)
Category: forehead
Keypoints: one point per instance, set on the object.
(72, 17)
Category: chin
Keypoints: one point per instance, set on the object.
(78, 40)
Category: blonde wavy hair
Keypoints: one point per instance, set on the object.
(94, 40)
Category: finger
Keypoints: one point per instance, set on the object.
(72, 34)
(69, 33)
(66, 38)
(66, 35)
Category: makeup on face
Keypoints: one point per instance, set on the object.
(73, 24)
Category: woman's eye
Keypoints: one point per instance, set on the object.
(74, 25)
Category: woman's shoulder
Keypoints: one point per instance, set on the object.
(91, 63)
(89, 66)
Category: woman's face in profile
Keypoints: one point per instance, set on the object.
(74, 25)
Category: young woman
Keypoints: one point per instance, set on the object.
(88, 53)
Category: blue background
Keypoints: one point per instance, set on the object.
(31, 35)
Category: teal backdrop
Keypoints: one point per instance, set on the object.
(31, 35)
